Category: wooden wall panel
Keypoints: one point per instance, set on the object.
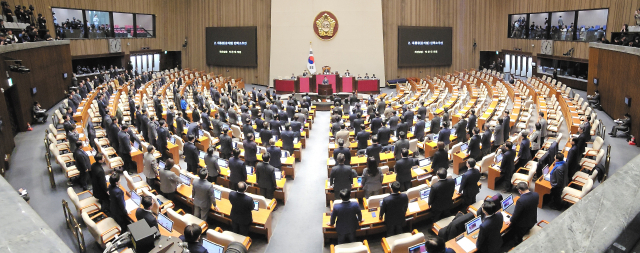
(615, 82)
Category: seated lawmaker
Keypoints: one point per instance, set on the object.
(192, 237)
(145, 212)
(437, 245)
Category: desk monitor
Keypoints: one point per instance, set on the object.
(545, 171)
(249, 170)
(202, 153)
(473, 225)
(464, 147)
(424, 194)
(161, 165)
(225, 126)
(256, 205)
(235, 144)
(424, 162)
(427, 124)
(278, 175)
(186, 180)
(136, 145)
(514, 147)
(200, 133)
(360, 180)
(274, 138)
(217, 193)
(135, 197)
(507, 204)
(165, 222)
(435, 138)
(173, 140)
(418, 248)
(223, 163)
(458, 180)
(284, 154)
(212, 247)
(499, 158)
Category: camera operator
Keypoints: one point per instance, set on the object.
(7, 11)
(42, 22)
(19, 14)
(10, 38)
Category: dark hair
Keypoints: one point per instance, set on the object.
(113, 179)
(471, 162)
(169, 163)
(404, 152)
(191, 137)
(98, 157)
(559, 156)
(435, 244)
(192, 232)
(235, 152)
(242, 186)
(442, 173)
(508, 145)
(340, 158)
(202, 172)
(150, 148)
(538, 126)
(522, 186)
(266, 157)
(210, 150)
(402, 134)
(146, 202)
(340, 142)
(490, 207)
(395, 187)
(345, 194)
(372, 166)
(440, 145)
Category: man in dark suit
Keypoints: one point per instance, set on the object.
(275, 153)
(524, 154)
(403, 170)
(394, 207)
(461, 130)
(507, 166)
(241, 207)
(418, 133)
(113, 132)
(422, 110)
(403, 126)
(472, 122)
(191, 155)
(163, 137)
(393, 122)
(587, 127)
(440, 158)
(180, 122)
(144, 125)
(486, 140)
(341, 176)
(573, 157)
(287, 137)
(125, 149)
(498, 135)
(237, 169)
(489, 237)
(341, 149)
(469, 183)
(583, 138)
(474, 150)
(384, 134)
(265, 133)
(559, 179)
(525, 215)
(445, 135)
(117, 205)
(505, 125)
(435, 124)
(401, 144)
(99, 182)
(194, 129)
(348, 217)
(376, 123)
(83, 164)
(440, 198)
(250, 150)
(275, 126)
(408, 116)
(226, 144)
(363, 138)
(622, 125)
(145, 212)
(375, 148)
(266, 177)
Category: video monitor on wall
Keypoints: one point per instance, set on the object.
(98, 24)
(562, 25)
(232, 46)
(538, 26)
(592, 25)
(518, 26)
(68, 23)
(420, 46)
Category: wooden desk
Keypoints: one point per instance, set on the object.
(132, 216)
(543, 187)
(137, 157)
(459, 158)
(173, 150)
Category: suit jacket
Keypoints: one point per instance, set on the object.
(408, 115)
(341, 178)
(191, 154)
(275, 153)
(505, 127)
(147, 216)
(344, 135)
(573, 160)
(422, 111)
(168, 181)
(394, 209)
(211, 161)
(419, 130)
(150, 165)
(469, 185)
(472, 122)
(202, 194)
(507, 166)
(525, 215)
(381, 105)
(461, 130)
(265, 175)
(524, 154)
(399, 145)
(486, 141)
(384, 134)
(363, 139)
(265, 135)
(226, 144)
(402, 127)
(117, 205)
(559, 176)
(474, 148)
(393, 122)
(544, 125)
(498, 136)
(287, 140)
(374, 150)
(441, 196)
(583, 138)
(376, 123)
(445, 136)
(125, 142)
(241, 207)
(193, 130)
(348, 217)
(237, 170)
(489, 237)
(250, 151)
(275, 127)
(99, 182)
(403, 169)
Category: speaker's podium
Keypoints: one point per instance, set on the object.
(324, 89)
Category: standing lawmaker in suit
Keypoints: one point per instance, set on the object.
(250, 150)
(116, 197)
(169, 180)
(346, 216)
(490, 237)
(524, 154)
(394, 209)
(341, 176)
(472, 122)
(99, 182)
(202, 195)
(266, 177)
(498, 135)
(191, 155)
(419, 129)
(486, 140)
(440, 158)
(445, 135)
(525, 214)
(474, 150)
(237, 170)
(241, 207)
(403, 170)
(469, 184)
(507, 166)
(341, 149)
(83, 164)
(441, 196)
(125, 149)
(401, 144)
(461, 130)
(573, 158)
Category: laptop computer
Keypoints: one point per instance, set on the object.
(173, 140)
(499, 158)
(473, 225)
(186, 180)
(200, 133)
(165, 222)
(424, 162)
(202, 153)
(418, 248)
(256, 205)
(136, 145)
(212, 247)
(507, 204)
(249, 170)
(223, 163)
(546, 172)
(278, 175)
(135, 198)
(424, 194)
(161, 165)
(360, 180)
(217, 194)
(464, 147)
(458, 181)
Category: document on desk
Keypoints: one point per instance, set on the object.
(506, 216)
(414, 207)
(418, 171)
(466, 244)
(130, 205)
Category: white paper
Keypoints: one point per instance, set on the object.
(414, 207)
(418, 171)
(466, 244)
(504, 215)
(130, 205)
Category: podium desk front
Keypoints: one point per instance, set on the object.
(284, 86)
